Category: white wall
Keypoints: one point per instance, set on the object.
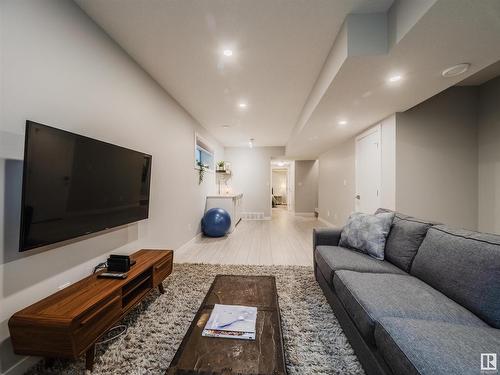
(251, 175)
(59, 68)
(306, 186)
(437, 161)
(489, 157)
(403, 15)
(336, 187)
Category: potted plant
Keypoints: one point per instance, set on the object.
(201, 171)
(221, 165)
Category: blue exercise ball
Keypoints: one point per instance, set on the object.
(215, 222)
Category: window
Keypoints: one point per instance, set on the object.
(203, 153)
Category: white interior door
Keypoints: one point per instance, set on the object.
(368, 171)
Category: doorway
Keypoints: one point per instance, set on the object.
(368, 170)
(280, 188)
(280, 185)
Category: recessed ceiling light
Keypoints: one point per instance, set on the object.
(342, 122)
(395, 78)
(228, 52)
(242, 105)
(226, 126)
(455, 70)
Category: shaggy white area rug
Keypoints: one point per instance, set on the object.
(314, 342)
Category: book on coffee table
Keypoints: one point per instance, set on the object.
(231, 321)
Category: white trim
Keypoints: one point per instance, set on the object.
(374, 129)
(307, 214)
(22, 366)
(270, 190)
(196, 168)
(366, 133)
(189, 242)
(288, 182)
(327, 222)
(205, 146)
(208, 146)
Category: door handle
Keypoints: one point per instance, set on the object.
(358, 197)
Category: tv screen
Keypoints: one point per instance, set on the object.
(75, 185)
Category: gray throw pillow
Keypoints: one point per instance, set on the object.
(367, 233)
(404, 239)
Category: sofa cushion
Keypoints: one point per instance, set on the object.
(433, 348)
(334, 258)
(465, 266)
(367, 297)
(367, 233)
(404, 239)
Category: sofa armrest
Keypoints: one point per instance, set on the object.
(326, 236)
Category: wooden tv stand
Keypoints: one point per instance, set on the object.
(68, 323)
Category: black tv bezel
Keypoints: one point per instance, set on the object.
(30, 123)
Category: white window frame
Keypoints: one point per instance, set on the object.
(204, 144)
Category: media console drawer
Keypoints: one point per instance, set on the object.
(162, 270)
(97, 321)
(68, 323)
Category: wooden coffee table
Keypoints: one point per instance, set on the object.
(209, 355)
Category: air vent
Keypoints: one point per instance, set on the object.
(253, 215)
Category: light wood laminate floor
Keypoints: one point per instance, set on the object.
(286, 239)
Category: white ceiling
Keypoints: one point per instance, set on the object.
(450, 32)
(279, 49)
(282, 64)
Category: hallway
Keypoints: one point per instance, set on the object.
(285, 240)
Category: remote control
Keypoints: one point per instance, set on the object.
(112, 275)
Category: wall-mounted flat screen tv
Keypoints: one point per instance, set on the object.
(75, 185)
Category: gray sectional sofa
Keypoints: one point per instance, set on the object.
(431, 307)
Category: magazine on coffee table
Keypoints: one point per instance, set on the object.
(231, 321)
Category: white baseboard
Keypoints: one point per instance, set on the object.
(22, 366)
(29, 361)
(326, 222)
(198, 236)
(307, 214)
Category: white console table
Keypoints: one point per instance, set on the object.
(230, 202)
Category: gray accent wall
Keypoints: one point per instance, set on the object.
(437, 158)
(306, 186)
(446, 156)
(59, 68)
(489, 156)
